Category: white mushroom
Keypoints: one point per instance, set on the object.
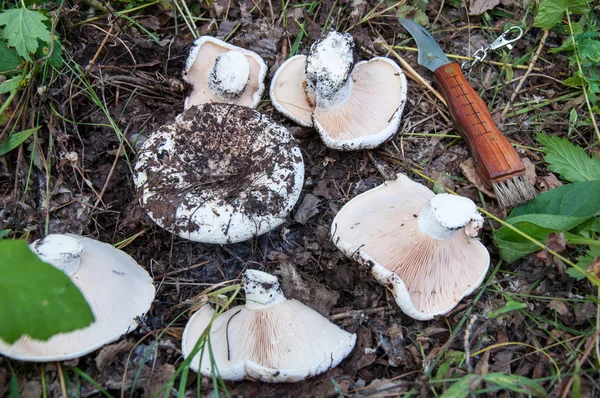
(117, 289)
(420, 244)
(223, 73)
(271, 339)
(219, 174)
(351, 106)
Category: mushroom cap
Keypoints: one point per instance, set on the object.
(220, 173)
(373, 111)
(202, 57)
(370, 116)
(280, 342)
(118, 291)
(288, 91)
(429, 276)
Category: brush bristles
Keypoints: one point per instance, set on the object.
(514, 191)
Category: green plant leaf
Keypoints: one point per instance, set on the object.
(510, 306)
(513, 246)
(36, 299)
(562, 208)
(589, 49)
(9, 59)
(516, 383)
(569, 160)
(23, 29)
(578, 6)
(463, 387)
(14, 140)
(550, 13)
(11, 84)
(4, 233)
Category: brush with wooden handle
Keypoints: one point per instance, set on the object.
(497, 163)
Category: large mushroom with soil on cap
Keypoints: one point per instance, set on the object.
(223, 73)
(352, 106)
(116, 288)
(270, 338)
(220, 173)
(421, 245)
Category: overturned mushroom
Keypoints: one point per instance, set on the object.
(219, 174)
(351, 106)
(223, 73)
(270, 338)
(421, 245)
(117, 289)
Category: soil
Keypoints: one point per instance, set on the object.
(77, 177)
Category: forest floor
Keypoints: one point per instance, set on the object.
(76, 177)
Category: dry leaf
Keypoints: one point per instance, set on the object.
(468, 169)
(307, 209)
(556, 242)
(478, 7)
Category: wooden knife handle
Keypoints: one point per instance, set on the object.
(496, 159)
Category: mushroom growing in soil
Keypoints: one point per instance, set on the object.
(220, 173)
(223, 73)
(352, 106)
(116, 288)
(270, 338)
(423, 246)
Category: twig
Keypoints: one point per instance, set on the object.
(529, 70)
(93, 60)
(61, 377)
(178, 271)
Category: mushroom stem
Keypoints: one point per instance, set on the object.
(329, 67)
(229, 75)
(262, 290)
(445, 214)
(61, 251)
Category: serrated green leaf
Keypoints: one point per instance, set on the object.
(575, 274)
(9, 59)
(516, 383)
(11, 84)
(550, 13)
(14, 140)
(463, 387)
(36, 299)
(23, 29)
(589, 49)
(573, 81)
(569, 160)
(578, 6)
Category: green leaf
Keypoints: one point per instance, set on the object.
(562, 208)
(36, 299)
(513, 246)
(4, 233)
(550, 13)
(589, 49)
(578, 6)
(463, 387)
(23, 29)
(14, 140)
(516, 383)
(569, 160)
(9, 59)
(510, 306)
(573, 81)
(11, 84)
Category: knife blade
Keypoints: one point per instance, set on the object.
(497, 162)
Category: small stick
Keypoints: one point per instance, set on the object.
(178, 271)
(61, 377)
(93, 60)
(529, 70)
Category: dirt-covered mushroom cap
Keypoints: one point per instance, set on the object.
(220, 72)
(271, 339)
(220, 173)
(117, 289)
(352, 106)
(420, 244)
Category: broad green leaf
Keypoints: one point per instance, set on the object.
(562, 208)
(55, 59)
(550, 13)
(578, 6)
(516, 383)
(510, 306)
(14, 140)
(4, 232)
(11, 84)
(36, 299)
(589, 49)
(9, 59)
(23, 29)
(513, 246)
(569, 160)
(463, 387)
